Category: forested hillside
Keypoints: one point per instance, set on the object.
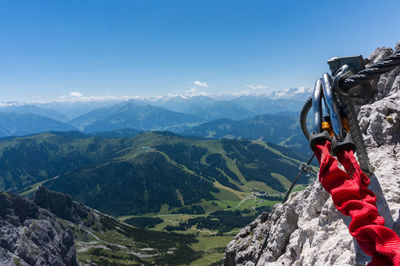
(122, 176)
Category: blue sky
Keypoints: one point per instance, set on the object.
(49, 49)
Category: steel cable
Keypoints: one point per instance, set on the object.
(373, 71)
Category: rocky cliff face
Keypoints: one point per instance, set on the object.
(30, 235)
(307, 229)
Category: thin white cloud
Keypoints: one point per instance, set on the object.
(252, 89)
(256, 87)
(194, 92)
(200, 84)
(78, 97)
(292, 92)
(301, 90)
(191, 90)
(281, 93)
(76, 94)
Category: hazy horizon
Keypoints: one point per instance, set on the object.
(194, 92)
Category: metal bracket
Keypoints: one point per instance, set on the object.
(356, 63)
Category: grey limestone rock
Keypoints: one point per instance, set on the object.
(307, 229)
(30, 235)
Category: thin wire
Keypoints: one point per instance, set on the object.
(302, 170)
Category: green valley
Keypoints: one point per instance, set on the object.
(189, 190)
(129, 176)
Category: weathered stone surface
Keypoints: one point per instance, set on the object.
(307, 229)
(32, 236)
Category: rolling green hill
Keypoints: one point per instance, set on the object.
(145, 173)
(135, 185)
(25, 161)
(118, 133)
(283, 129)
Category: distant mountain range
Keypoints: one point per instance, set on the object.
(235, 107)
(290, 100)
(34, 109)
(20, 124)
(271, 118)
(122, 176)
(220, 109)
(132, 115)
(129, 119)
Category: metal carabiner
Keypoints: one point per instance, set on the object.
(332, 106)
(343, 72)
(317, 106)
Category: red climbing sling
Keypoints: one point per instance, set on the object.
(338, 133)
(352, 198)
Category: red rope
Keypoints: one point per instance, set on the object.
(352, 198)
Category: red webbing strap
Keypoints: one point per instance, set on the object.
(352, 198)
